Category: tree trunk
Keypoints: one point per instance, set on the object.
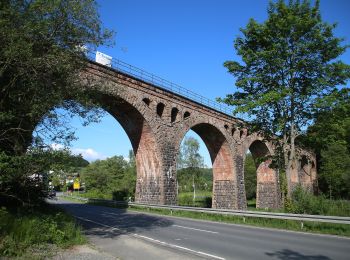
(291, 157)
(194, 189)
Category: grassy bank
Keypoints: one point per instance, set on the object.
(303, 202)
(35, 233)
(203, 199)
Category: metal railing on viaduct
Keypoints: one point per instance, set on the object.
(158, 81)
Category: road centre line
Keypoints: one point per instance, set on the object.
(156, 241)
(202, 230)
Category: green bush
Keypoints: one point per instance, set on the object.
(304, 202)
(96, 194)
(185, 199)
(121, 195)
(17, 182)
(203, 200)
(20, 230)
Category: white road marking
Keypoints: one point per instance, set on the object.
(202, 230)
(98, 223)
(179, 247)
(155, 240)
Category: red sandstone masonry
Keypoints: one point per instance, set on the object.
(156, 137)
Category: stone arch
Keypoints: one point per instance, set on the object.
(134, 119)
(224, 177)
(305, 173)
(148, 161)
(267, 189)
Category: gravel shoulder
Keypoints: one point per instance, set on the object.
(83, 252)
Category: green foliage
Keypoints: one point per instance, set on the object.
(204, 180)
(280, 58)
(40, 57)
(290, 66)
(329, 136)
(332, 123)
(191, 175)
(62, 163)
(335, 170)
(189, 156)
(24, 178)
(303, 202)
(26, 229)
(203, 199)
(250, 177)
(109, 178)
(21, 179)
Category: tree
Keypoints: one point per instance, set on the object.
(329, 136)
(289, 64)
(111, 177)
(25, 178)
(331, 125)
(41, 55)
(40, 61)
(190, 159)
(62, 164)
(335, 170)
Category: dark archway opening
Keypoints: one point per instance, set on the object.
(174, 113)
(160, 109)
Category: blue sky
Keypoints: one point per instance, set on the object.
(185, 42)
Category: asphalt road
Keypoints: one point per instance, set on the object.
(130, 235)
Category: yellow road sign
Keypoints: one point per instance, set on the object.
(76, 184)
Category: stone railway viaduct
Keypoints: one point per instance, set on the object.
(156, 120)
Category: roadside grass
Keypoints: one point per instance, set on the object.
(94, 194)
(305, 203)
(37, 232)
(251, 204)
(74, 198)
(203, 199)
(307, 226)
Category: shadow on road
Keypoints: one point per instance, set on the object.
(287, 254)
(111, 222)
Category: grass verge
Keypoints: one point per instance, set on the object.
(74, 199)
(36, 233)
(203, 199)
